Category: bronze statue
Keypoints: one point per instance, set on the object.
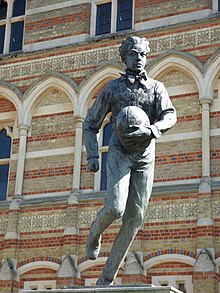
(141, 112)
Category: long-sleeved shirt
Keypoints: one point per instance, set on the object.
(148, 94)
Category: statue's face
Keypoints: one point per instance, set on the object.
(136, 58)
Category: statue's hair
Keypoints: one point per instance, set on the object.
(128, 43)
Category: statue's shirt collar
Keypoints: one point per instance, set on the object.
(132, 77)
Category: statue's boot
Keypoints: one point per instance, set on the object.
(103, 281)
(119, 250)
(93, 246)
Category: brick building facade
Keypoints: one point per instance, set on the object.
(55, 57)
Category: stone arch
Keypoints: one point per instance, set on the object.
(56, 80)
(100, 77)
(13, 94)
(167, 258)
(37, 265)
(181, 61)
(91, 263)
(217, 263)
(211, 74)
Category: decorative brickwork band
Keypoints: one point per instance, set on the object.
(169, 251)
(39, 258)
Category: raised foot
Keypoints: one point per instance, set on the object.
(93, 246)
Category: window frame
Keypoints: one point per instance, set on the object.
(174, 281)
(40, 285)
(92, 281)
(216, 5)
(8, 21)
(7, 161)
(114, 14)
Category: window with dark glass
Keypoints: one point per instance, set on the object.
(163, 283)
(16, 40)
(103, 172)
(124, 15)
(12, 15)
(5, 145)
(3, 9)
(3, 181)
(3, 15)
(18, 8)
(107, 132)
(121, 11)
(218, 5)
(2, 38)
(17, 28)
(181, 287)
(103, 18)
(5, 152)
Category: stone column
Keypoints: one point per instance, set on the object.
(68, 273)
(77, 153)
(205, 223)
(21, 160)
(12, 234)
(204, 268)
(205, 185)
(8, 274)
(71, 231)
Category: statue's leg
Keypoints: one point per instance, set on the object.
(118, 177)
(139, 193)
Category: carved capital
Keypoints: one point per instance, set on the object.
(24, 128)
(205, 185)
(78, 121)
(205, 103)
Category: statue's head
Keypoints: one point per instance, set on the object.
(133, 52)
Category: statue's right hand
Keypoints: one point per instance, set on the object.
(93, 164)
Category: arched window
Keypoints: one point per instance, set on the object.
(5, 152)
(107, 132)
(11, 20)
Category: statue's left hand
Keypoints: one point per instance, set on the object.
(142, 133)
(140, 136)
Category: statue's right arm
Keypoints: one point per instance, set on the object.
(91, 127)
(93, 164)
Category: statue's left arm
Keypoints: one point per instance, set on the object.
(165, 111)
